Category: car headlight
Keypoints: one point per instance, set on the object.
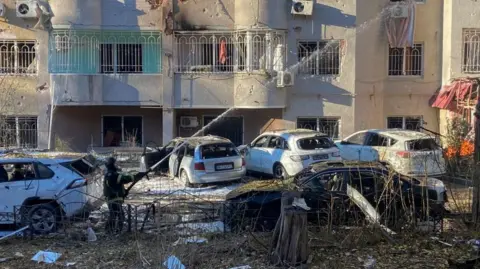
(299, 158)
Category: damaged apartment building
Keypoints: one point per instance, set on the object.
(116, 73)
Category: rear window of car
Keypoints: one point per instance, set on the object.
(422, 144)
(315, 142)
(79, 166)
(220, 150)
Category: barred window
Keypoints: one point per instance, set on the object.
(471, 51)
(227, 52)
(413, 123)
(91, 52)
(18, 132)
(18, 57)
(326, 125)
(405, 61)
(319, 57)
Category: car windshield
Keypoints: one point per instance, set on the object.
(422, 144)
(315, 142)
(218, 150)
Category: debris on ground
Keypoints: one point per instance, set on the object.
(46, 257)
(173, 263)
(191, 239)
(201, 227)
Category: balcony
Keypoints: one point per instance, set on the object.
(106, 67)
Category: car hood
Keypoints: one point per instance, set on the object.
(273, 185)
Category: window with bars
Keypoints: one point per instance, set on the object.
(122, 131)
(18, 57)
(319, 57)
(327, 125)
(406, 61)
(91, 52)
(471, 51)
(18, 132)
(412, 123)
(228, 52)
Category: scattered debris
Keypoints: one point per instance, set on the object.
(242, 267)
(191, 239)
(70, 264)
(91, 236)
(442, 242)
(173, 263)
(46, 257)
(205, 227)
(300, 203)
(19, 255)
(4, 259)
(369, 263)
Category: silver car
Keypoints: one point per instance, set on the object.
(206, 159)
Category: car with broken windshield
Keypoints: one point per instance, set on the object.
(41, 190)
(340, 192)
(153, 155)
(206, 159)
(407, 152)
(285, 153)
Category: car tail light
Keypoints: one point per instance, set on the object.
(243, 161)
(403, 154)
(199, 166)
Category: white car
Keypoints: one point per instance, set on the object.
(44, 191)
(206, 159)
(409, 153)
(287, 152)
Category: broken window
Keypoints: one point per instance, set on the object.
(326, 125)
(471, 51)
(406, 61)
(122, 131)
(17, 57)
(18, 132)
(319, 57)
(413, 123)
(226, 52)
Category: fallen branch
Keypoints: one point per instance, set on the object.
(14, 233)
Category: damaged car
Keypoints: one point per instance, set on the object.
(42, 191)
(349, 191)
(151, 156)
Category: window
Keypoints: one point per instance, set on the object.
(376, 140)
(121, 58)
(23, 171)
(277, 142)
(357, 139)
(333, 181)
(413, 123)
(93, 52)
(221, 150)
(326, 125)
(18, 132)
(122, 131)
(44, 171)
(471, 51)
(227, 52)
(319, 57)
(261, 142)
(405, 61)
(17, 57)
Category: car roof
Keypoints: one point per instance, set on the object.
(294, 132)
(320, 166)
(204, 140)
(43, 157)
(400, 134)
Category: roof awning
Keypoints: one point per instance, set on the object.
(458, 91)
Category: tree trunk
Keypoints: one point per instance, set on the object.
(290, 242)
(476, 173)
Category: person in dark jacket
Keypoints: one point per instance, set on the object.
(3, 174)
(114, 193)
(18, 173)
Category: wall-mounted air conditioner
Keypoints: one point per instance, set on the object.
(399, 11)
(188, 122)
(26, 8)
(285, 79)
(302, 7)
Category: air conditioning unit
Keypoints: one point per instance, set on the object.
(399, 11)
(284, 79)
(302, 7)
(188, 122)
(3, 10)
(26, 8)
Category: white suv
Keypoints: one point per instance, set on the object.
(43, 191)
(287, 152)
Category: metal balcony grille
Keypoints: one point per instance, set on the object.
(18, 57)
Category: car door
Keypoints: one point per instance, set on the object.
(351, 147)
(374, 148)
(15, 191)
(274, 151)
(174, 162)
(255, 153)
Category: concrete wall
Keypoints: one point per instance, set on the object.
(120, 89)
(77, 128)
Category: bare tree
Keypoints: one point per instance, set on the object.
(9, 105)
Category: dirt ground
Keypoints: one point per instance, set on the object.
(340, 249)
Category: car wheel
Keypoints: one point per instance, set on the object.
(43, 218)
(279, 171)
(184, 178)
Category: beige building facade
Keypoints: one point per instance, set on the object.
(131, 72)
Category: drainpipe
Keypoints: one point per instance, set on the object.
(50, 124)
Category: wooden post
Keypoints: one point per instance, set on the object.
(290, 242)
(476, 174)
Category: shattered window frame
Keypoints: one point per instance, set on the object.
(325, 62)
(408, 61)
(321, 124)
(126, 132)
(412, 123)
(18, 57)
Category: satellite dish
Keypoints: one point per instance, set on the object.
(298, 7)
